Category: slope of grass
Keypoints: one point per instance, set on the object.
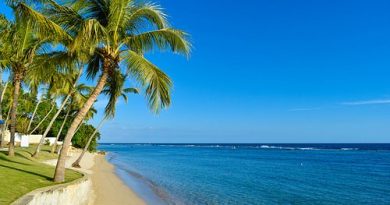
(22, 173)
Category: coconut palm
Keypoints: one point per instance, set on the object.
(115, 33)
(114, 93)
(24, 41)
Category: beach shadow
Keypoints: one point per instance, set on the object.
(28, 172)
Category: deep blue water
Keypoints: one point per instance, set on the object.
(255, 173)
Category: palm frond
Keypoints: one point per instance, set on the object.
(94, 65)
(92, 33)
(117, 12)
(99, 10)
(155, 82)
(64, 16)
(41, 24)
(167, 38)
(150, 13)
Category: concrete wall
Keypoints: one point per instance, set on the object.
(34, 139)
(78, 192)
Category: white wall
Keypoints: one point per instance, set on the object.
(75, 193)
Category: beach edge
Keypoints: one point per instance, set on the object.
(108, 187)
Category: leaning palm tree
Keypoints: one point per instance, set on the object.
(114, 32)
(114, 93)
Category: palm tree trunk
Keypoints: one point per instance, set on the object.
(38, 149)
(59, 175)
(33, 115)
(3, 91)
(54, 146)
(44, 118)
(77, 162)
(2, 143)
(17, 82)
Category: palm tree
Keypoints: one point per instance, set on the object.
(25, 41)
(110, 31)
(110, 108)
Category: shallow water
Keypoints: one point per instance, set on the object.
(255, 173)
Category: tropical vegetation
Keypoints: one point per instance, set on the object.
(50, 49)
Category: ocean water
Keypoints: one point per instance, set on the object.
(255, 173)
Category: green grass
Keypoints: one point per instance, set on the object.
(22, 173)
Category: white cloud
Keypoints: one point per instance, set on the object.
(368, 102)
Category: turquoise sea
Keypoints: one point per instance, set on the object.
(254, 173)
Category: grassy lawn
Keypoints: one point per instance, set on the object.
(22, 173)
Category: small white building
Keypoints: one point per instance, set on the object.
(26, 140)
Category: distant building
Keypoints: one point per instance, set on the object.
(25, 140)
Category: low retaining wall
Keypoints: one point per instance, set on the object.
(77, 192)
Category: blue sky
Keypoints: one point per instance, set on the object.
(270, 71)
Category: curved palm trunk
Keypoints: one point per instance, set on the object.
(2, 143)
(17, 82)
(5, 126)
(33, 115)
(53, 148)
(59, 175)
(77, 162)
(44, 118)
(38, 149)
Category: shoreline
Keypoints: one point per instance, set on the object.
(107, 187)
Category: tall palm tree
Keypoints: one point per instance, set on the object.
(110, 108)
(113, 32)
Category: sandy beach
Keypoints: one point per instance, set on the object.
(108, 188)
